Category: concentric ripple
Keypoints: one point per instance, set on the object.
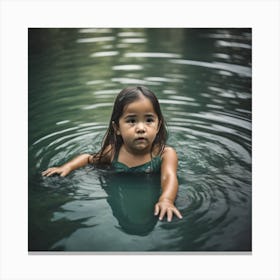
(202, 78)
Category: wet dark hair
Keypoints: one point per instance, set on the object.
(111, 139)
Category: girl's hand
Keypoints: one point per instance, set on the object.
(166, 207)
(61, 170)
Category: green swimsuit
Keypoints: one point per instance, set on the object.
(152, 166)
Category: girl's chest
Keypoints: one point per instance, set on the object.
(131, 160)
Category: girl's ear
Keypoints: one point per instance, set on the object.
(116, 128)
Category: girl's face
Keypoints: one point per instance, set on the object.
(138, 125)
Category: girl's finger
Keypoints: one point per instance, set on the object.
(156, 209)
(47, 171)
(169, 215)
(177, 213)
(52, 172)
(162, 214)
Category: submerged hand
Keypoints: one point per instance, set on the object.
(166, 207)
(61, 170)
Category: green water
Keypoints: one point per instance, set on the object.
(202, 78)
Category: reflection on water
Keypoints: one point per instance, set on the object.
(202, 78)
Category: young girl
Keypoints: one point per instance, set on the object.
(135, 142)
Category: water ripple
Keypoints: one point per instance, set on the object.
(134, 40)
(207, 107)
(130, 34)
(147, 55)
(99, 105)
(221, 43)
(163, 79)
(128, 81)
(104, 54)
(238, 69)
(127, 67)
(95, 30)
(95, 39)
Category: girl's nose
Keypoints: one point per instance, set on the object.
(140, 128)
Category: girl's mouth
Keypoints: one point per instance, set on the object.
(140, 139)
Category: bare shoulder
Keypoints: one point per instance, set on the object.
(169, 153)
(169, 161)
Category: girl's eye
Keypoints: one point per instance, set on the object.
(150, 120)
(131, 121)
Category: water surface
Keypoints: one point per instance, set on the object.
(202, 78)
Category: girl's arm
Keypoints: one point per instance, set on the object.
(169, 185)
(69, 166)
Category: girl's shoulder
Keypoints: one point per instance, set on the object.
(169, 160)
(168, 152)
